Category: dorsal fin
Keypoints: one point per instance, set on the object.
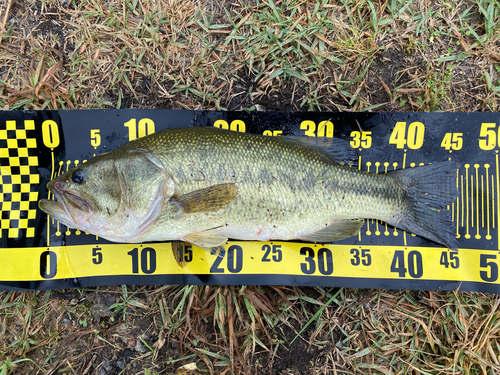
(336, 149)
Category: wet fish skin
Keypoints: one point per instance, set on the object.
(205, 185)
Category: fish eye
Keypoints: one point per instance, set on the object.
(78, 177)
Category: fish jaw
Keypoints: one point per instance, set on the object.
(71, 208)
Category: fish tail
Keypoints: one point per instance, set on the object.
(429, 189)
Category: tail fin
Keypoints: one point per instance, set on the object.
(429, 189)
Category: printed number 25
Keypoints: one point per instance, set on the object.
(276, 250)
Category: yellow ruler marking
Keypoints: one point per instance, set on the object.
(478, 236)
(498, 199)
(386, 166)
(404, 165)
(488, 236)
(472, 201)
(492, 202)
(482, 201)
(462, 197)
(467, 235)
(246, 258)
(458, 207)
(395, 232)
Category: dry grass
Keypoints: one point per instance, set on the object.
(288, 54)
(273, 330)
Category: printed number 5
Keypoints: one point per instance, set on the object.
(484, 261)
(95, 138)
(96, 255)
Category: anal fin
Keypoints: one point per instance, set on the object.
(337, 230)
(182, 251)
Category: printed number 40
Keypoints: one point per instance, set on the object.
(414, 139)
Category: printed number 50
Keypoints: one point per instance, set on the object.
(488, 261)
(488, 136)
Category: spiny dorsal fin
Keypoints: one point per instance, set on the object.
(336, 149)
(337, 230)
(212, 198)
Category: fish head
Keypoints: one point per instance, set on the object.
(87, 196)
(114, 196)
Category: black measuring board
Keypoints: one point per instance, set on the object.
(40, 253)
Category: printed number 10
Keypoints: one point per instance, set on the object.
(146, 127)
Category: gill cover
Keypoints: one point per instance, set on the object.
(144, 187)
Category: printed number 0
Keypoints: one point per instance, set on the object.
(50, 134)
(48, 264)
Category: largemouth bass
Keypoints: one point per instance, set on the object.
(205, 185)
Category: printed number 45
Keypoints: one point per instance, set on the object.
(452, 141)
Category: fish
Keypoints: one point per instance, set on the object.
(205, 185)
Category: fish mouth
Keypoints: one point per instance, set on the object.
(71, 208)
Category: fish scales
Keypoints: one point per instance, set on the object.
(280, 190)
(205, 185)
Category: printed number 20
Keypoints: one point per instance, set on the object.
(234, 259)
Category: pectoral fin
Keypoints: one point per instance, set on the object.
(335, 231)
(205, 240)
(212, 198)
